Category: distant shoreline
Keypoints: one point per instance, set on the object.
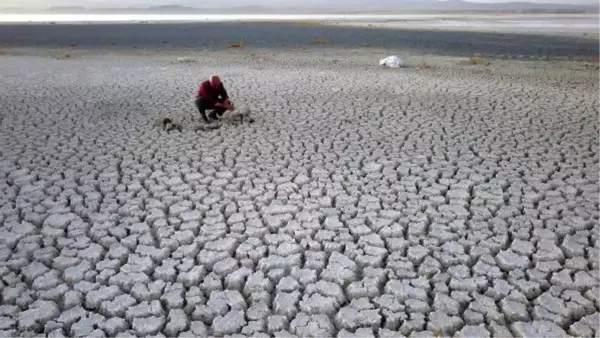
(194, 17)
(233, 17)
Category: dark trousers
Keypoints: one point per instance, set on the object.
(203, 105)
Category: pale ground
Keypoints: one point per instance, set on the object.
(574, 25)
(455, 200)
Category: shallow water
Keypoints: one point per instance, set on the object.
(515, 24)
(199, 17)
(426, 20)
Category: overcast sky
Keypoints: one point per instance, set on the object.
(212, 3)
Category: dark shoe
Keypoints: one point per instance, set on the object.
(204, 117)
(213, 115)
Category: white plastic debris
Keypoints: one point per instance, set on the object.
(242, 113)
(239, 111)
(392, 61)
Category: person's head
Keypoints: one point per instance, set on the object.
(215, 81)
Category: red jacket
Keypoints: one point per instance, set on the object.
(210, 94)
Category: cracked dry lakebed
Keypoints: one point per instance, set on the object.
(448, 200)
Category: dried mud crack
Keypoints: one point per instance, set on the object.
(362, 202)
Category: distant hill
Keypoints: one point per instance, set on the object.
(12, 9)
(70, 9)
(330, 6)
(460, 5)
(516, 6)
(177, 9)
(166, 9)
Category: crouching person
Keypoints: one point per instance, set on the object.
(212, 95)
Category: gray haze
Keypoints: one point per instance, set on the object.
(40, 4)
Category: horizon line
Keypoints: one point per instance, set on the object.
(318, 6)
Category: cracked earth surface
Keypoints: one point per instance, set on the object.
(363, 201)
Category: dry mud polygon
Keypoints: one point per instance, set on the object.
(364, 201)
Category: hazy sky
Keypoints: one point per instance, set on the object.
(216, 3)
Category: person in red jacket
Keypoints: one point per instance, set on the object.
(212, 95)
